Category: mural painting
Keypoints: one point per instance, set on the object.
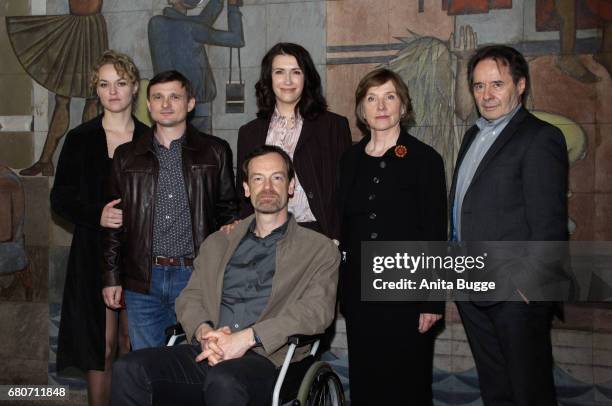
(569, 16)
(58, 53)
(177, 41)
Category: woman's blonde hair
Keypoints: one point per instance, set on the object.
(124, 65)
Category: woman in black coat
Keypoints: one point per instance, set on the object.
(392, 188)
(88, 330)
(293, 115)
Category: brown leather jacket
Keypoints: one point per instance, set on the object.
(209, 180)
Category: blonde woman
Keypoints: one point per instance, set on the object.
(88, 333)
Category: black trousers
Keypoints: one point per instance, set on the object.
(511, 345)
(170, 376)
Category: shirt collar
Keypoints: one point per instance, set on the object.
(178, 141)
(483, 123)
(277, 232)
(290, 121)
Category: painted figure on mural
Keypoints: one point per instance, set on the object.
(429, 65)
(177, 42)
(13, 257)
(441, 104)
(58, 53)
(571, 16)
(566, 16)
(443, 101)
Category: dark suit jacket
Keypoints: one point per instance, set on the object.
(519, 190)
(317, 155)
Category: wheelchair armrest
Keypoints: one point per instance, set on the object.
(174, 330)
(301, 339)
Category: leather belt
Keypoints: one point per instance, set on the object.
(173, 261)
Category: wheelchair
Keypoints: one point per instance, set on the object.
(308, 382)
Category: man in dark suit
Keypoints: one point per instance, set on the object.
(509, 184)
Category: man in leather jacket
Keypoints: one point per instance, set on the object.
(173, 187)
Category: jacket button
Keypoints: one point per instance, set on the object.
(374, 236)
(372, 216)
(382, 164)
(376, 179)
(372, 197)
(310, 195)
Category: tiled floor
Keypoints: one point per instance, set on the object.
(456, 388)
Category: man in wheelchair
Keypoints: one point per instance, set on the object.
(251, 288)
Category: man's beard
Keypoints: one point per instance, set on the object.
(268, 206)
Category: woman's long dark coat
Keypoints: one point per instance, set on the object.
(78, 196)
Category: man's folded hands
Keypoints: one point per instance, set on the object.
(222, 345)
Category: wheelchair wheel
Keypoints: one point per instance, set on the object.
(320, 387)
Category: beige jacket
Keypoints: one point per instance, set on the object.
(303, 294)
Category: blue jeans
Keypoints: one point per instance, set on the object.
(150, 314)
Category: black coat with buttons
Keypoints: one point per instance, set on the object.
(320, 146)
(406, 202)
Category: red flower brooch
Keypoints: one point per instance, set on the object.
(400, 151)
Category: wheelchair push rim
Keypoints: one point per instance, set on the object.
(320, 387)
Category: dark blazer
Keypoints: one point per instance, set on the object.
(416, 212)
(317, 155)
(209, 182)
(519, 191)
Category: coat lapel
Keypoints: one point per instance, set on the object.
(308, 129)
(500, 142)
(349, 170)
(234, 239)
(261, 131)
(284, 268)
(100, 141)
(465, 145)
